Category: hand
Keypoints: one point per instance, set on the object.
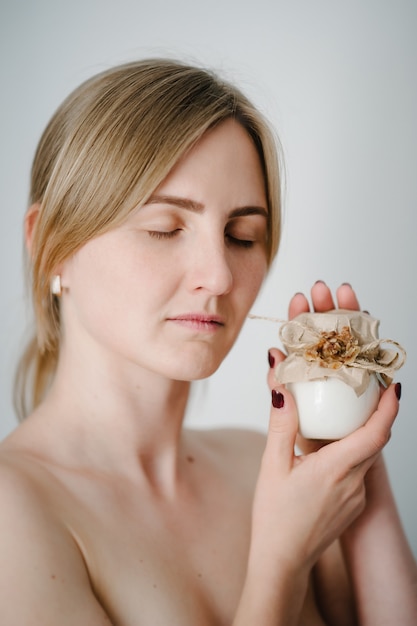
(305, 502)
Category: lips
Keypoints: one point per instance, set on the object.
(198, 321)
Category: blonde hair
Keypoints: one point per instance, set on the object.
(103, 153)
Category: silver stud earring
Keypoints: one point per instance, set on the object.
(56, 289)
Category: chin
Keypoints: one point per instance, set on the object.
(195, 375)
(192, 370)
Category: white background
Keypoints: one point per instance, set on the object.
(339, 82)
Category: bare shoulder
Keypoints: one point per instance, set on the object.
(23, 492)
(40, 560)
(20, 497)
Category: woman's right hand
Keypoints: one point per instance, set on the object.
(303, 503)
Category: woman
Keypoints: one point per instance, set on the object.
(154, 217)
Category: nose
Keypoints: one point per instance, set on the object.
(210, 267)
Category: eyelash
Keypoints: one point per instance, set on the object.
(161, 234)
(170, 234)
(241, 243)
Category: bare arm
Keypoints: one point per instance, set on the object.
(43, 579)
(381, 564)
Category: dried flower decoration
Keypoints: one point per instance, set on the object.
(334, 348)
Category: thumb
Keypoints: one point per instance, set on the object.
(282, 431)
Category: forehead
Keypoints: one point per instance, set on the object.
(224, 159)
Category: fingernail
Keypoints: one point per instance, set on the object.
(271, 359)
(398, 390)
(319, 281)
(346, 285)
(277, 399)
(367, 312)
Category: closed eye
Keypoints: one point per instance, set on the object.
(242, 243)
(162, 234)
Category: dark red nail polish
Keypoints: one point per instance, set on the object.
(346, 285)
(367, 312)
(319, 281)
(398, 390)
(277, 399)
(271, 360)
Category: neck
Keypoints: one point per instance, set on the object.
(113, 419)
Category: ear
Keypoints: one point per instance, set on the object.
(31, 218)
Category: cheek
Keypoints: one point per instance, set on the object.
(248, 284)
(112, 282)
(251, 274)
(98, 284)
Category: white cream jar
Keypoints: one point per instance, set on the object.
(334, 364)
(329, 408)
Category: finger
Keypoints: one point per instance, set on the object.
(368, 441)
(346, 298)
(298, 304)
(283, 426)
(321, 297)
(275, 357)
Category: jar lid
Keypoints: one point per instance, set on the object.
(340, 343)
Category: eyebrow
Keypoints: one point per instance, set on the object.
(198, 207)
